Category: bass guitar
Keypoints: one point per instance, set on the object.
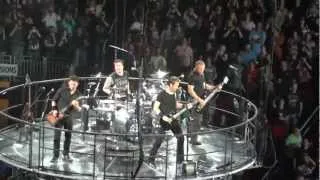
(195, 103)
(210, 96)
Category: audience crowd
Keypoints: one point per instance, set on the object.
(265, 47)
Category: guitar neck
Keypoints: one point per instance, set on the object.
(175, 116)
(210, 96)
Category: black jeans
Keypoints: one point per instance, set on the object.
(176, 129)
(195, 124)
(66, 123)
(85, 119)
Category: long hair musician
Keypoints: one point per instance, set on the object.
(64, 102)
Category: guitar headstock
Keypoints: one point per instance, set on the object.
(225, 80)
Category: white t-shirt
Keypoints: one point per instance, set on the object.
(51, 20)
(248, 25)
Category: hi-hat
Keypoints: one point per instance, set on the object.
(159, 74)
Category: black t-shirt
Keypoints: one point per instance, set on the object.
(167, 103)
(198, 81)
(63, 99)
(120, 82)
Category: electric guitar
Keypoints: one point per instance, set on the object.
(54, 119)
(195, 103)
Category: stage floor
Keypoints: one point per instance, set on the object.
(111, 157)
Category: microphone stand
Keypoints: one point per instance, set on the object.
(139, 115)
(97, 88)
(90, 101)
(41, 132)
(27, 115)
(138, 105)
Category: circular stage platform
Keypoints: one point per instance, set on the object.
(102, 154)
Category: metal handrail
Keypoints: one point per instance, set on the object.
(37, 168)
(91, 133)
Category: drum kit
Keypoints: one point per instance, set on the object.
(121, 115)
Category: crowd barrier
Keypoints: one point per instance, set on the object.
(46, 68)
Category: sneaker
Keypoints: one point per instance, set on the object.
(54, 159)
(67, 158)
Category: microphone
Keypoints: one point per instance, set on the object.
(181, 76)
(42, 89)
(50, 92)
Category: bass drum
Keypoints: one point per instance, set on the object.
(123, 119)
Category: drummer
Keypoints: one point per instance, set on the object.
(116, 84)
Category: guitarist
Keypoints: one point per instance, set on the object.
(63, 104)
(165, 105)
(196, 89)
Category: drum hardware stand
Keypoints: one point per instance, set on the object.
(84, 111)
(188, 119)
(98, 85)
(189, 167)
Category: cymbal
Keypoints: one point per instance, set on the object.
(91, 83)
(159, 74)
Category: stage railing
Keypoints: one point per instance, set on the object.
(100, 154)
